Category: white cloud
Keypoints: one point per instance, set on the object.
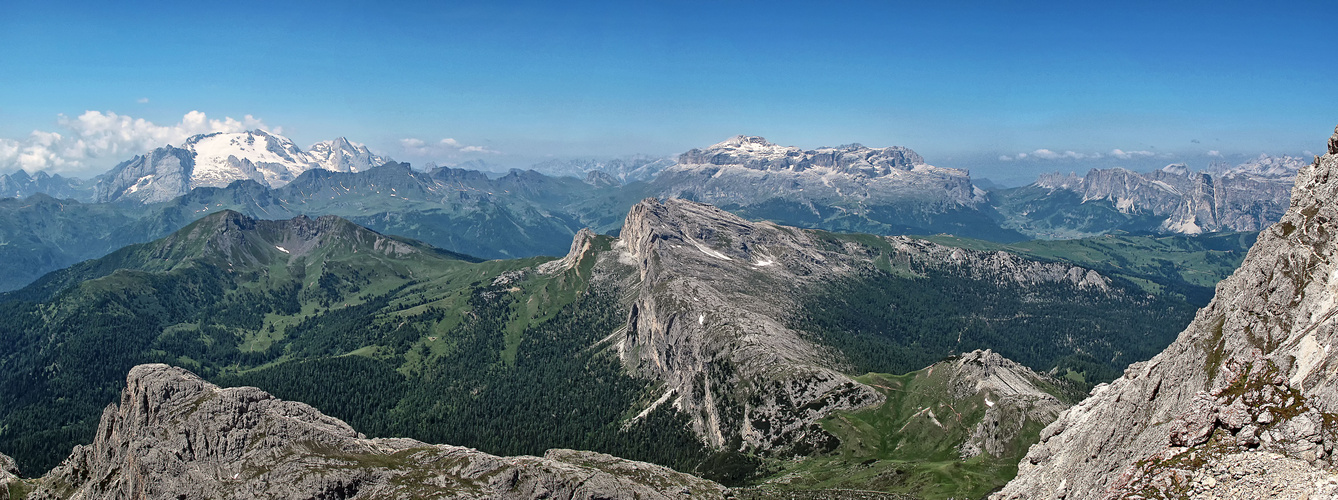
(95, 140)
(142, 100)
(1215, 153)
(412, 147)
(1129, 155)
(1046, 154)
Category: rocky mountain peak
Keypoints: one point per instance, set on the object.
(744, 141)
(1247, 197)
(221, 158)
(759, 154)
(238, 240)
(1246, 396)
(174, 435)
(697, 325)
(1013, 394)
(1176, 169)
(1267, 166)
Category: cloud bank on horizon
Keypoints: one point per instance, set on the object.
(95, 140)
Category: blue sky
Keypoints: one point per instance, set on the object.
(965, 84)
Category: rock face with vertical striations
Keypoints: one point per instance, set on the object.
(176, 436)
(712, 307)
(1244, 400)
(1247, 197)
(728, 360)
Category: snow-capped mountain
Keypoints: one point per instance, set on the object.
(218, 159)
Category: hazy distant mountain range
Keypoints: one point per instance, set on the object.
(1247, 197)
(686, 335)
(525, 213)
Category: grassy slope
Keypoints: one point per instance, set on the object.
(896, 447)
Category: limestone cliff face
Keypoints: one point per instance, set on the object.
(710, 310)
(1251, 381)
(159, 175)
(176, 436)
(708, 320)
(1013, 395)
(1247, 197)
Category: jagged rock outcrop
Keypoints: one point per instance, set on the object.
(1014, 396)
(159, 175)
(1252, 377)
(711, 309)
(726, 357)
(997, 266)
(21, 184)
(9, 476)
(176, 436)
(1247, 197)
(221, 158)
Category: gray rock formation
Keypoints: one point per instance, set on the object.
(9, 478)
(20, 184)
(1249, 389)
(712, 294)
(996, 266)
(176, 436)
(1247, 197)
(1013, 394)
(745, 170)
(697, 324)
(159, 175)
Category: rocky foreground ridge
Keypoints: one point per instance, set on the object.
(176, 436)
(1243, 404)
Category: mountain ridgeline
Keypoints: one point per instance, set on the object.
(696, 340)
(524, 213)
(1248, 197)
(848, 188)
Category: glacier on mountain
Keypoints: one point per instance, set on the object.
(221, 158)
